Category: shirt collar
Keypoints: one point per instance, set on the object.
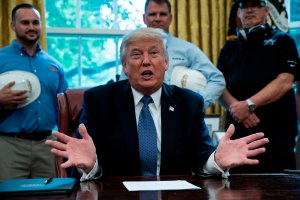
(22, 49)
(137, 96)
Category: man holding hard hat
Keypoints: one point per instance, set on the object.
(30, 80)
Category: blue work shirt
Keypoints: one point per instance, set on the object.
(183, 53)
(41, 114)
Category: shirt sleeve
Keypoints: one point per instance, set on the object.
(215, 79)
(95, 173)
(211, 168)
(288, 55)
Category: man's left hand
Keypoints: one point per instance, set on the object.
(233, 153)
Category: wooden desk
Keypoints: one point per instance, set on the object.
(239, 186)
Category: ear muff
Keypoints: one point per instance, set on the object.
(244, 34)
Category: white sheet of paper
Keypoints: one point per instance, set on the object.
(159, 185)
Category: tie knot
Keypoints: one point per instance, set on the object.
(146, 100)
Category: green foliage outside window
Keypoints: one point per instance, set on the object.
(295, 10)
(90, 59)
(295, 19)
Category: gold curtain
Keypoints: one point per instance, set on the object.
(204, 23)
(6, 34)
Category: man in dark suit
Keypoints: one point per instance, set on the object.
(111, 115)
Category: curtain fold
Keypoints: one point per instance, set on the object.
(6, 33)
(204, 23)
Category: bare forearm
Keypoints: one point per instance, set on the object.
(274, 90)
(227, 99)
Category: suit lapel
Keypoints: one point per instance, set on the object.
(126, 116)
(169, 119)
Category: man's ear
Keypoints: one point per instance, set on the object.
(167, 64)
(171, 18)
(267, 9)
(124, 66)
(144, 18)
(12, 25)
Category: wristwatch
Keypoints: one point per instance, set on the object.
(251, 105)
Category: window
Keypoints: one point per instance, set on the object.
(85, 36)
(294, 12)
(293, 7)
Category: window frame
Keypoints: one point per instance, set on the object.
(83, 33)
(92, 33)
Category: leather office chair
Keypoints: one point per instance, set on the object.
(69, 109)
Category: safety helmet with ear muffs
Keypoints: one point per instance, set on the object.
(244, 33)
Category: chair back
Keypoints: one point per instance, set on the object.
(69, 109)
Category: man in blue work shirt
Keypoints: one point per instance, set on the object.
(24, 126)
(183, 53)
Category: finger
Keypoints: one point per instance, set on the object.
(251, 162)
(56, 144)
(256, 136)
(256, 152)
(258, 143)
(59, 153)
(83, 132)
(229, 132)
(250, 124)
(253, 121)
(256, 119)
(19, 99)
(9, 85)
(245, 123)
(49, 142)
(62, 137)
(20, 93)
(66, 164)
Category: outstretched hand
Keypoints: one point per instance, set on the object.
(233, 153)
(80, 153)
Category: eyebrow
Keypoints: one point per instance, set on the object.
(160, 12)
(150, 48)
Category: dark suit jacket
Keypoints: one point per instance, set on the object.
(109, 115)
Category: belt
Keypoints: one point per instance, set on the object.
(36, 136)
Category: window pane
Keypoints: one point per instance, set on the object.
(90, 59)
(97, 14)
(99, 60)
(61, 13)
(104, 14)
(295, 8)
(87, 61)
(130, 14)
(295, 33)
(112, 14)
(65, 50)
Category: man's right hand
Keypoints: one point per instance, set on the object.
(79, 153)
(251, 121)
(12, 97)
